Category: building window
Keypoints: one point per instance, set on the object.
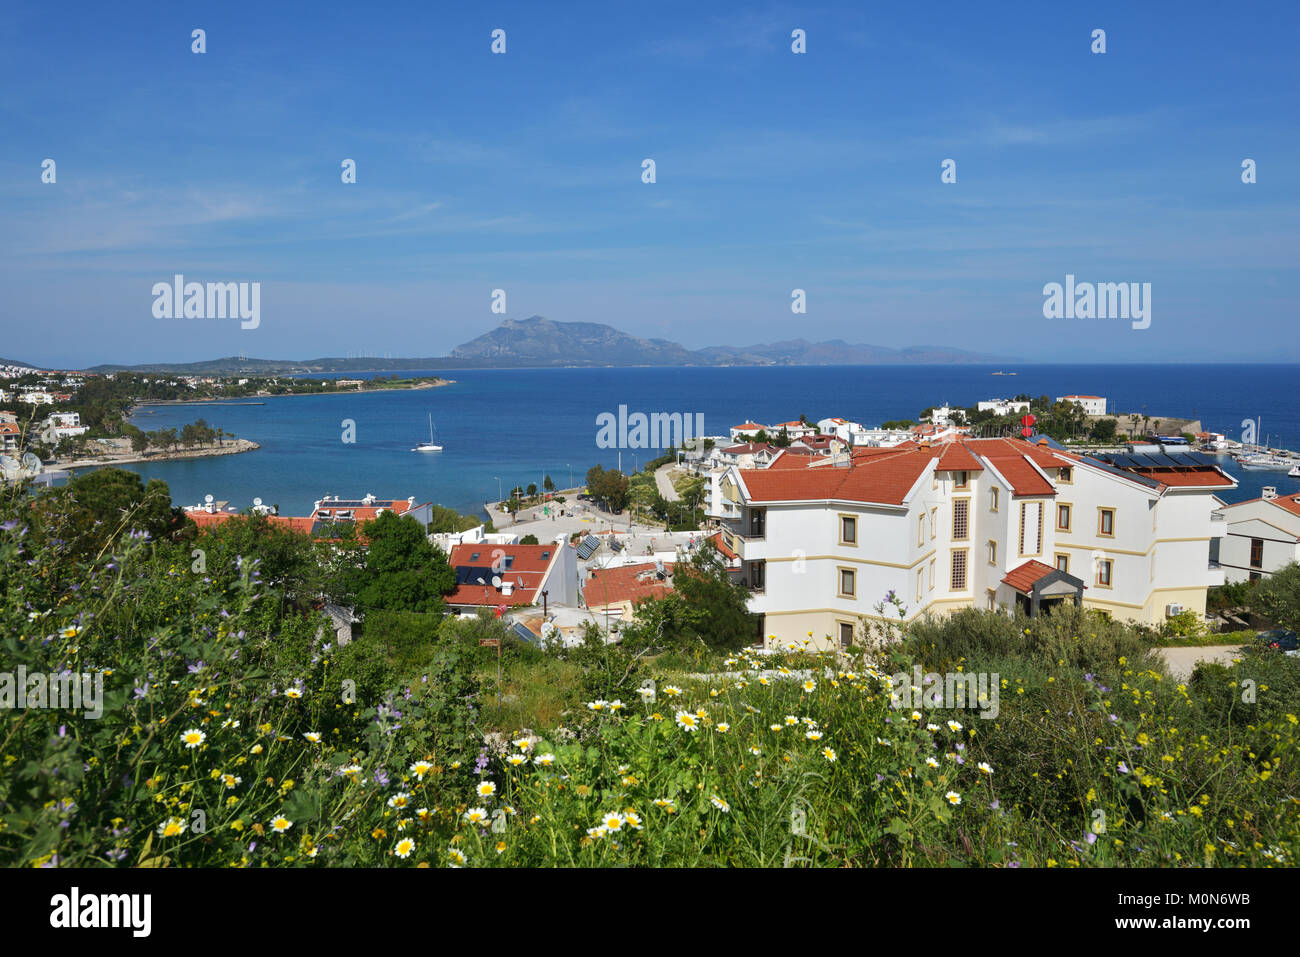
(1106, 522)
(1254, 576)
(1257, 553)
(920, 529)
(920, 573)
(1031, 527)
(848, 583)
(1065, 476)
(993, 498)
(958, 578)
(993, 552)
(934, 523)
(960, 523)
(1104, 571)
(1062, 517)
(848, 530)
(933, 565)
(993, 600)
(846, 634)
(1063, 563)
(960, 479)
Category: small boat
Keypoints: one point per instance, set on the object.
(1295, 472)
(429, 446)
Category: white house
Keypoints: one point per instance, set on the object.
(1092, 404)
(945, 415)
(795, 430)
(1263, 535)
(747, 428)
(988, 523)
(1003, 406)
(38, 397)
(62, 425)
(747, 455)
(880, 438)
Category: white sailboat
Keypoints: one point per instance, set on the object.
(429, 446)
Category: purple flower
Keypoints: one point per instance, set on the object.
(141, 690)
(1123, 768)
(1014, 864)
(195, 668)
(1090, 838)
(381, 778)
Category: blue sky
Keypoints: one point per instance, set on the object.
(775, 171)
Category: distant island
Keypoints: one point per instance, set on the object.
(540, 342)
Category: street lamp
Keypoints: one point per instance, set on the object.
(500, 497)
(571, 485)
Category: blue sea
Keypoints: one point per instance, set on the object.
(514, 427)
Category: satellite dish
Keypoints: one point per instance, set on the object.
(496, 581)
(30, 461)
(208, 499)
(257, 501)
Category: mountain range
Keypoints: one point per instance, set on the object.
(541, 342)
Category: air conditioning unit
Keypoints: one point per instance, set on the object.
(1173, 608)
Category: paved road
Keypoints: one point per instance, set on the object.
(1182, 661)
(665, 486)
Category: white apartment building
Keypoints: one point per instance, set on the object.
(1262, 536)
(1003, 406)
(37, 398)
(62, 425)
(946, 415)
(988, 523)
(1092, 404)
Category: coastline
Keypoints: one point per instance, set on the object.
(261, 399)
(233, 447)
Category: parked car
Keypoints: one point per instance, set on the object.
(1282, 639)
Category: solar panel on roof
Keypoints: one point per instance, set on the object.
(588, 546)
(1168, 461)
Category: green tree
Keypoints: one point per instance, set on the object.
(548, 484)
(1277, 597)
(399, 570)
(95, 508)
(706, 607)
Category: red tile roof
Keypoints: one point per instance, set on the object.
(1289, 503)
(749, 447)
(885, 479)
(791, 459)
(720, 543)
(957, 457)
(210, 519)
(527, 571)
(634, 583)
(1023, 577)
(1195, 478)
